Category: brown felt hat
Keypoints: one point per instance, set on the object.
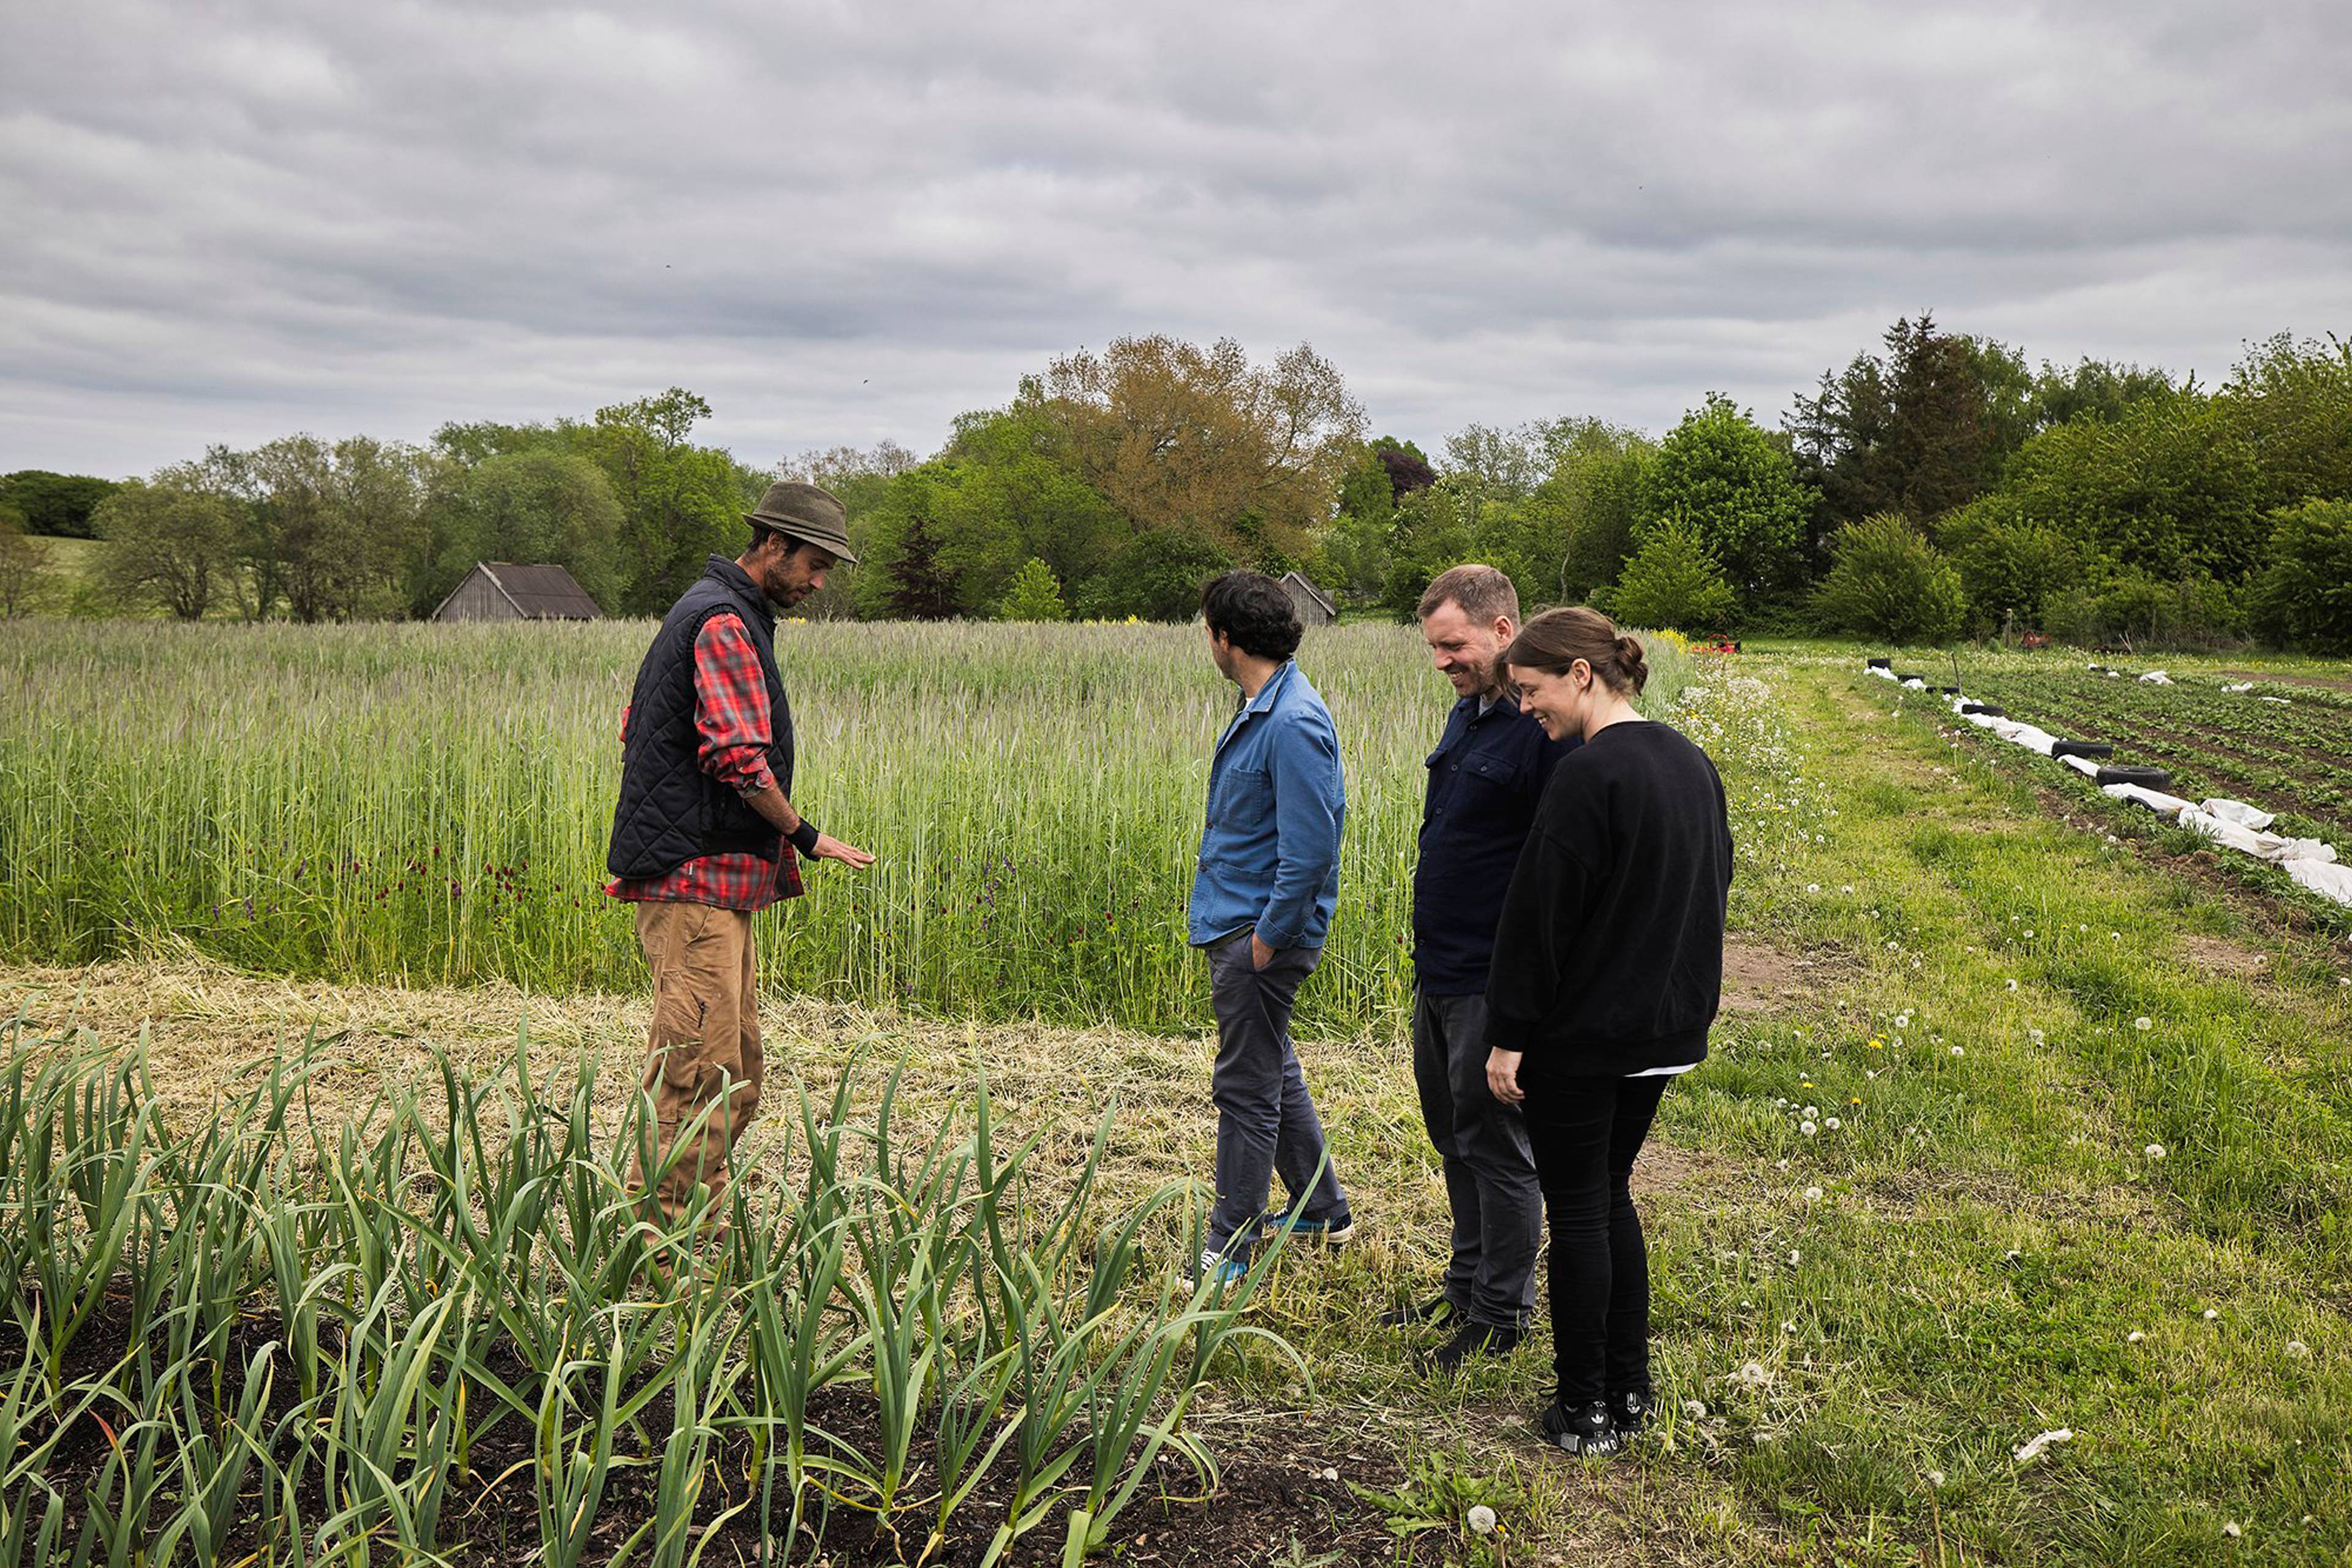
(809, 513)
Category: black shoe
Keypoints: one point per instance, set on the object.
(1586, 1430)
(1473, 1340)
(1630, 1411)
(1416, 1312)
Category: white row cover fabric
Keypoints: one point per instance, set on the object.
(2324, 878)
(2157, 801)
(1879, 671)
(2239, 812)
(2232, 823)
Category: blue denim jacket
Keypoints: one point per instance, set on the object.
(1270, 853)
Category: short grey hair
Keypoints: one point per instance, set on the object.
(1485, 594)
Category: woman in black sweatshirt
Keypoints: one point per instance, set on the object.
(1607, 969)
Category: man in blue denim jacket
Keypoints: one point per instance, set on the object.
(1262, 900)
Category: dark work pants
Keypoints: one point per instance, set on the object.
(1266, 1123)
(1490, 1173)
(1585, 1132)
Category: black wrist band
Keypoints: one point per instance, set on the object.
(805, 836)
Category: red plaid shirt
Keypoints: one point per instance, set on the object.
(732, 722)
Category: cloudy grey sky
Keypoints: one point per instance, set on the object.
(231, 219)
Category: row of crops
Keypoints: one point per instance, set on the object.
(2282, 747)
(425, 1334)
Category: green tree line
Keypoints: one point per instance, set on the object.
(1936, 486)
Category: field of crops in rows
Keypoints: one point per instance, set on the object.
(2279, 746)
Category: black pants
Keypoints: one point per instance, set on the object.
(1585, 1132)
(1490, 1177)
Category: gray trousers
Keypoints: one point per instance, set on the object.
(1266, 1123)
(1490, 1172)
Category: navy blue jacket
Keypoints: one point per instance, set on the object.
(1485, 779)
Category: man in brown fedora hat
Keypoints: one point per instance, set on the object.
(706, 836)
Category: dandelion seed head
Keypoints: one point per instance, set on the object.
(1482, 1519)
(1807, 1127)
(2135, 1337)
(2154, 1151)
(1813, 1194)
(2143, 1023)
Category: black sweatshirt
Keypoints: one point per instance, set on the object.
(1609, 957)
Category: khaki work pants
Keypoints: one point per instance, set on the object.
(703, 1050)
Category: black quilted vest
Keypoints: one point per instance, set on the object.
(670, 810)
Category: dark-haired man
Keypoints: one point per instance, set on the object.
(1261, 899)
(1484, 778)
(706, 835)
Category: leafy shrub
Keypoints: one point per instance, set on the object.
(2140, 611)
(1887, 581)
(1673, 581)
(2304, 597)
(1034, 595)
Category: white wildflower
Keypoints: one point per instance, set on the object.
(1958, 1052)
(1813, 887)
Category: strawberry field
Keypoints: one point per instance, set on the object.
(2279, 745)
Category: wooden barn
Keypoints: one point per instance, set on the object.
(1315, 607)
(502, 591)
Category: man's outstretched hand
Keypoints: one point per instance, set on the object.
(828, 848)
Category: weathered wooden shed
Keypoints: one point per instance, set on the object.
(1315, 607)
(503, 591)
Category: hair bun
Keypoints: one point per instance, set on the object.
(1631, 661)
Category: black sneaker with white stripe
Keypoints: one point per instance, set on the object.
(1587, 1429)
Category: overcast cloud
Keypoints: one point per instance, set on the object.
(226, 222)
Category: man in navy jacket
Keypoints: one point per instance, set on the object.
(1263, 892)
(1484, 778)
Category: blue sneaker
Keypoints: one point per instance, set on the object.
(1318, 1232)
(1216, 1268)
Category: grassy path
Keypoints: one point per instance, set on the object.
(1858, 1325)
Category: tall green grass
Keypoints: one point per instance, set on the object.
(430, 804)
